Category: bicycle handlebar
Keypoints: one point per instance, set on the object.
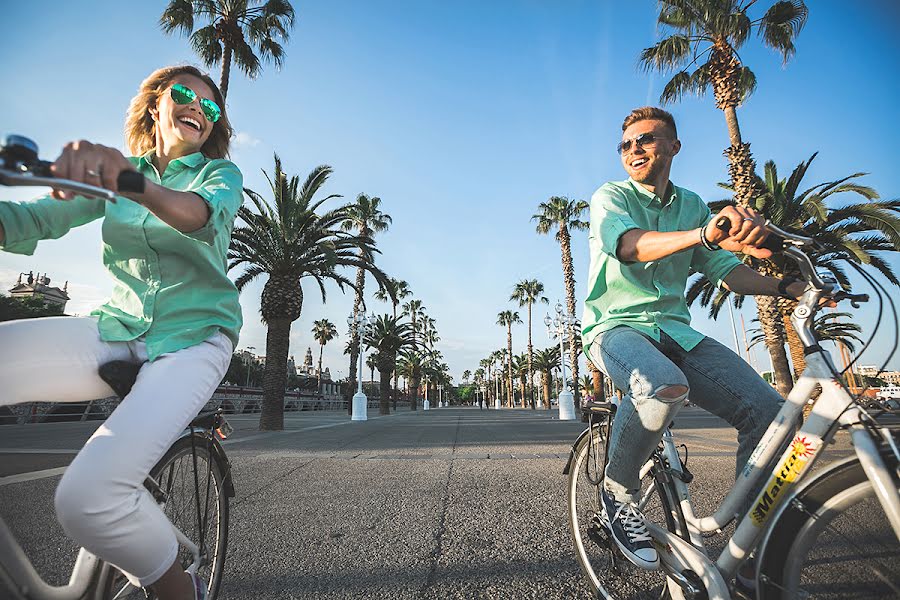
(20, 166)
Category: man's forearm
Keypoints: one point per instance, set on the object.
(640, 245)
(746, 281)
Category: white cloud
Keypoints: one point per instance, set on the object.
(245, 140)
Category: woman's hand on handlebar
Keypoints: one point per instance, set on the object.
(739, 229)
(89, 163)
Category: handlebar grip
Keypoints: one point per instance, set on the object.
(128, 181)
(773, 241)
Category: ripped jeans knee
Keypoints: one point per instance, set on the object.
(657, 409)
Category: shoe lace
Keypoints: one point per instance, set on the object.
(632, 521)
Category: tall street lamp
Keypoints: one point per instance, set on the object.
(561, 322)
(358, 321)
(441, 395)
(249, 363)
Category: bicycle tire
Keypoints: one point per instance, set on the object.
(175, 474)
(813, 546)
(607, 576)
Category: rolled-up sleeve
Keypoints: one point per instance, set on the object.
(715, 264)
(26, 223)
(609, 218)
(220, 185)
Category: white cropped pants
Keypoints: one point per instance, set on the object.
(101, 502)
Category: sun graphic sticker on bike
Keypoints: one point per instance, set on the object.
(802, 450)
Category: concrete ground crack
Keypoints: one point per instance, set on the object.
(442, 522)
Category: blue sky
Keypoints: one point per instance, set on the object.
(462, 117)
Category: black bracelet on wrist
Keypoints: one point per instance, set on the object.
(705, 242)
(783, 285)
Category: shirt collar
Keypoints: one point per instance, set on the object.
(190, 160)
(645, 196)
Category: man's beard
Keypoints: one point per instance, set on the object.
(649, 176)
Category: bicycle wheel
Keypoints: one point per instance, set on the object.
(833, 542)
(608, 572)
(184, 494)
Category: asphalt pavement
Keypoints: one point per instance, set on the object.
(449, 503)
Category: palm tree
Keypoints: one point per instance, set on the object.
(526, 293)
(400, 291)
(410, 366)
(545, 361)
(289, 241)
(486, 364)
(713, 31)
(858, 232)
(506, 319)
(414, 309)
(388, 336)
(466, 375)
(323, 331)
(366, 218)
(837, 327)
(370, 362)
(564, 215)
(586, 385)
(245, 32)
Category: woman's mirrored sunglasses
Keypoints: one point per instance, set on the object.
(182, 94)
(645, 139)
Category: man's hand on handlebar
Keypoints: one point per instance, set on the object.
(89, 163)
(747, 231)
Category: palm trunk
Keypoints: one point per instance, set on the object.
(597, 381)
(413, 393)
(773, 330)
(358, 307)
(226, 71)
(545, 382)
(565, 242)
(278, 338)
(384, 385)
(530, 371)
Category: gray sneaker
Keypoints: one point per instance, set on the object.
(626, 524)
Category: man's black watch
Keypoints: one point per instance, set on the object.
(783, 286)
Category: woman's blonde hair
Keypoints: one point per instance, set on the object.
(140, 128)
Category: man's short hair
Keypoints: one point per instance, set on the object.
(650, 113)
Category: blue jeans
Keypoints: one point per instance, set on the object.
(714, 378)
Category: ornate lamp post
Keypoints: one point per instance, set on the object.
(441, 395)
(561, 322)
(360, 322)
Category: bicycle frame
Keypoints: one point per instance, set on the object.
(833, 407)
(19, 575)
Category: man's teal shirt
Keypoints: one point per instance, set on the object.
(170, 287)
(648, 296)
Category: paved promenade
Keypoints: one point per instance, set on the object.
(449, 503)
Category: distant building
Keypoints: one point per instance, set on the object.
(867, 370)
(39, 287)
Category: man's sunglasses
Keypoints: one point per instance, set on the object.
(182, 94)
(643, 140)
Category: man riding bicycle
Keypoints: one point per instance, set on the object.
(645, 236)
(173, 310)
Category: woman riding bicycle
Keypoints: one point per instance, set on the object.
(173, 309)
